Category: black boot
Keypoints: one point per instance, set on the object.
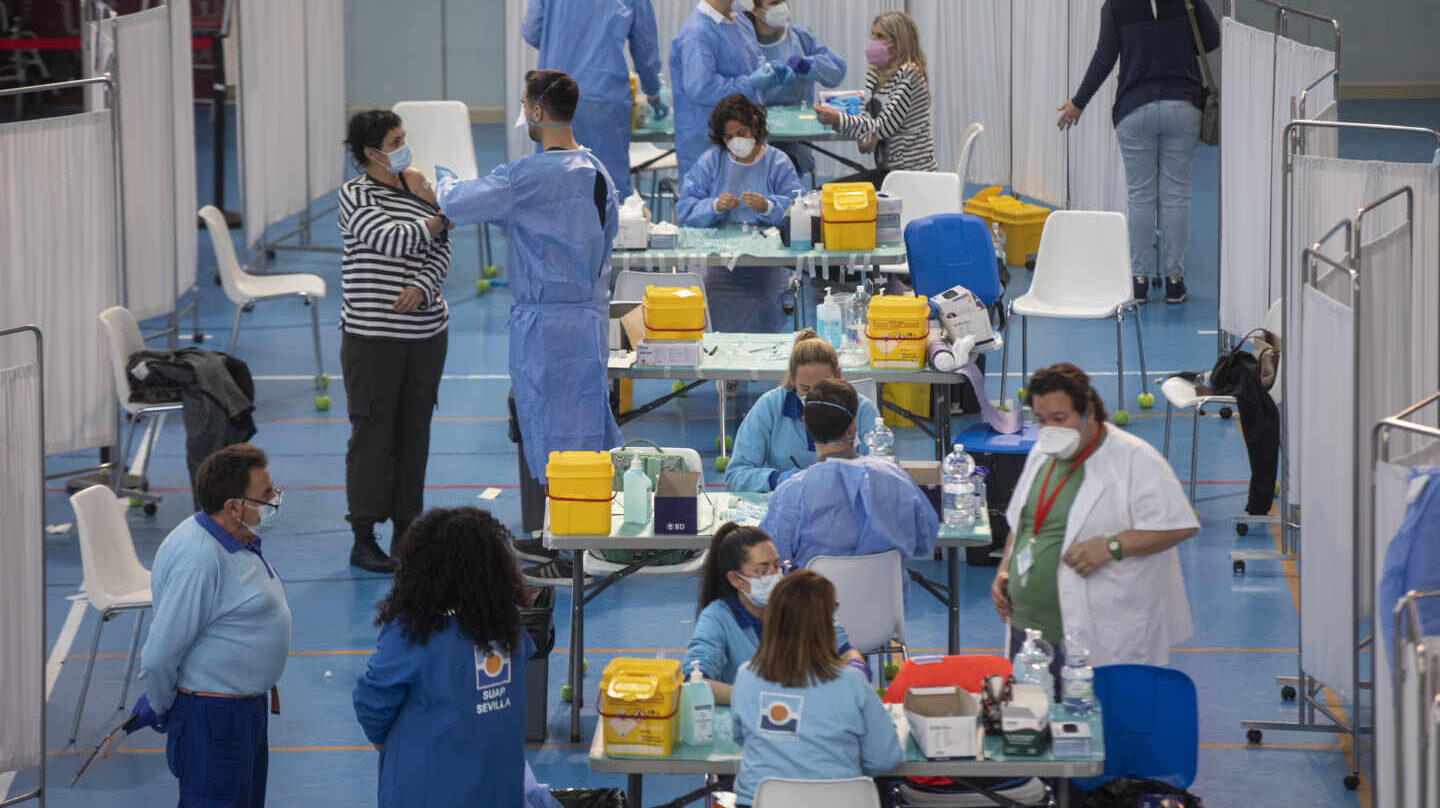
(367, 555)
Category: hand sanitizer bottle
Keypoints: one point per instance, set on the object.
(637, 493)
(697, 709)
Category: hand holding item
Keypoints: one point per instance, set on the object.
(755, 202)
(1087, 556)
(726, 201)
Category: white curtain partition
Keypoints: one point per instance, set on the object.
(144, 72)
(1325, 190)
(22, 576)
(1275, 71)
(1328, 490)
(967, 43)
(291, 55)
(1096, 171)
(182, 83)
(58, 264)
(1039, 44)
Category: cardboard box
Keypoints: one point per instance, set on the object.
(1025, 720)
(676, 503)
(927, 475)
(1070, 739)
(944, 720)
(683, 353)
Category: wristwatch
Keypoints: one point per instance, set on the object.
(1113, 543)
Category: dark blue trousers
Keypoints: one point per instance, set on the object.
(219, 749)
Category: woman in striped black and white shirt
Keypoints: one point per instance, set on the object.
(393, 323)
(895, 124)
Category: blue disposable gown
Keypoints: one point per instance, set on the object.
(850, 508)
(559, 270)
(825, 731)
(708, 61)
(828, 69)
(745, 299)
(772, 434)
(586, 39)
(451, 717)
(1412, 561)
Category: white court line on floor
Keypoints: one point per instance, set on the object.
(58, 654)
(1208, 332)
(471, 377)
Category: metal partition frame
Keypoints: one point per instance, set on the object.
(1408, 631)
(37, 794)
(1281, 28)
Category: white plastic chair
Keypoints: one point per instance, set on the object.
(923, 193)
(595, 565)
(115, 581)
(870, 591)
(438, 133)
(967, 153)
(784, 792)
(1082, 272)
(122, 334)
(1184, 395)
(656, 161)
(245, 289)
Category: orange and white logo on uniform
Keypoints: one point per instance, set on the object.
(492, 668)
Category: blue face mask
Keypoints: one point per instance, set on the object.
(399, 159)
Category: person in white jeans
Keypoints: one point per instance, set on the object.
(1157, 121)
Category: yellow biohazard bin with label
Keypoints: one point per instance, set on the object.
(848, 211)
(578, 487)
(1022, 222)
(898, 328)
(639, 705)
(674, 312)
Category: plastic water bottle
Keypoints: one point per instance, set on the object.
(799, 224)
(997, 237)
(881, 441)
(636, 484)
(1077, 678)
(830, 319)
(697, 709)
(1032, 664)
(980, 503)
(958, 488)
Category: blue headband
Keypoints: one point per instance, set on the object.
(808, 402)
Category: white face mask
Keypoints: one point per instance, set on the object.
(778, 15)
(520, 120)
(741, 147)
(1058, 441)
(760, 588)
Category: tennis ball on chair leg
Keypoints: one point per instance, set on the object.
(722, 463)
(677, 387)
(729, 443)
(1121, 418)
(491, 271)
(322, 403)
(566, 693)
(891, 670)
(1145, 400)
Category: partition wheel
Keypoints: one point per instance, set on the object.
(1288, 693)
(1227, 413)
(1241, 529)
(1254, 737)
(149, 508)
(1238, 567)
(1352, 782)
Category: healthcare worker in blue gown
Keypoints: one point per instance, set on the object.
(560, 215)
(847, 505)
(714, 55)
(740, 179)
(443, 696)
(586, 39)
(784, 43)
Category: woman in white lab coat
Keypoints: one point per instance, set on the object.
(1102, 512)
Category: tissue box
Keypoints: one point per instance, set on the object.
(634, 234)
(926, 474)
(944, 721)
(1025, 719)
(664, 236)
(1070, 739)
(683, 353)
(676, 503)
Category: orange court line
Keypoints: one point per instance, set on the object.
(156, 751)
(1268, 745)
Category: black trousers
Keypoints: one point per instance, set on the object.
(875, 176)
(391, 387)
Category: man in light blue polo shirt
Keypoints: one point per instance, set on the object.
(220, 636)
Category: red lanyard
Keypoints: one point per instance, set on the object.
(1042, 508)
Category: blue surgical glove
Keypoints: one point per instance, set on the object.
(537, 795)
(143, 715)
(658, 108)
(777, 477)
(859, 665)
(799, 64)
(783, 74)
(442, 173)
(763, 78)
